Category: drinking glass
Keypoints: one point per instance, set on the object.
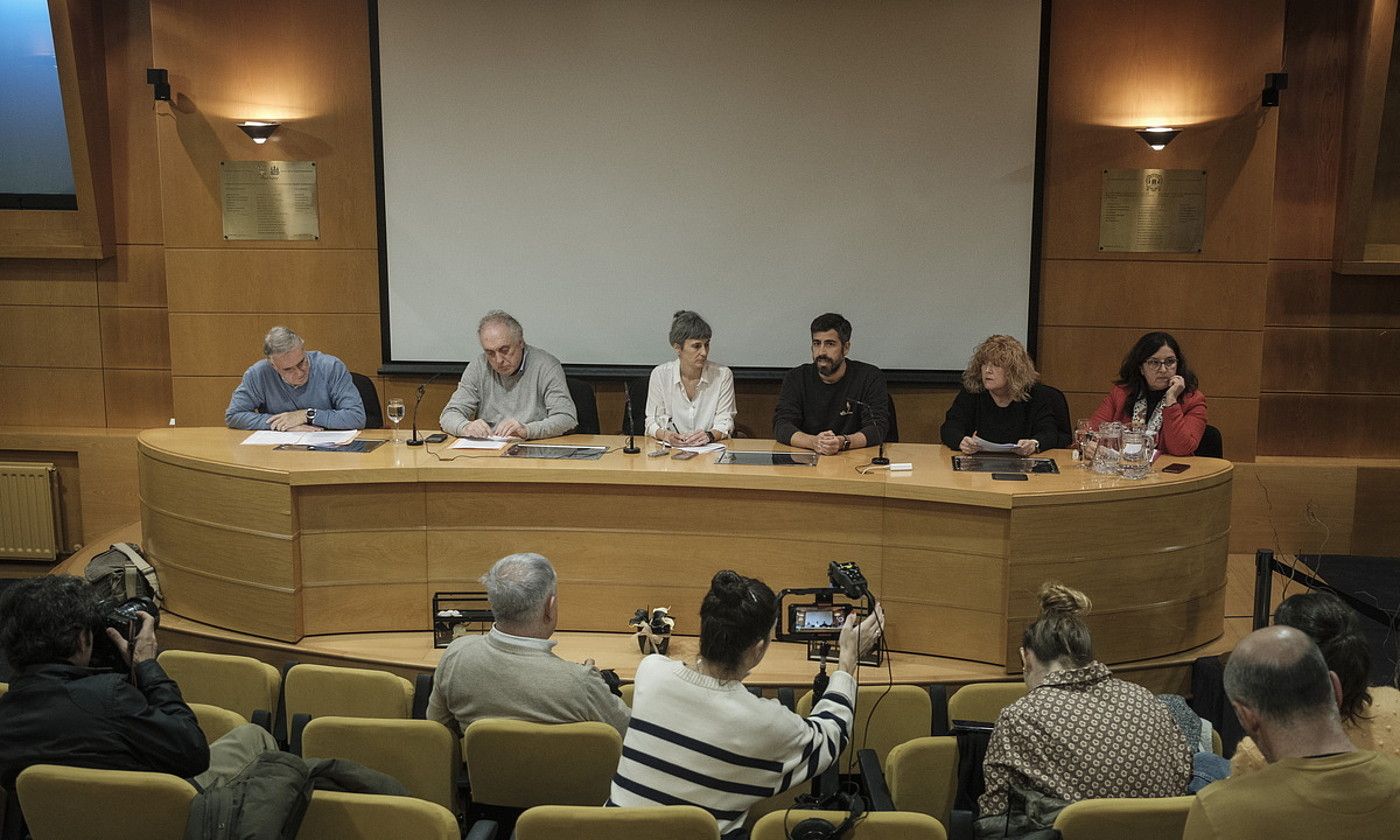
(395, 407)
(1082, 432)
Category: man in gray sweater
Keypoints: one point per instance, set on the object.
(511, 389)
(512, 671)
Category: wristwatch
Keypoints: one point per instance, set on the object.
(845, 443)
(310, 416)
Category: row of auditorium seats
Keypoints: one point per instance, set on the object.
(906, 758)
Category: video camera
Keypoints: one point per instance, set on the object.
(815, 615)
(120, 614)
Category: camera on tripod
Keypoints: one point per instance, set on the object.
(815, 615)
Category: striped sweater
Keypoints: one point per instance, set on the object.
(695, 740)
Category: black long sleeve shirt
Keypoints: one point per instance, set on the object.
(80, 717)
(1021, 420)
(809, 405)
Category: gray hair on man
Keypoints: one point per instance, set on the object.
(686, 325)
(518, 585)
(280, 340)
(1280, 673)
(497, 316)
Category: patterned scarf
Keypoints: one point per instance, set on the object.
(1153, 424)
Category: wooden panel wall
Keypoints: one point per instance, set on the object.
(312, 73)
(1330, 340)
(1110, 74)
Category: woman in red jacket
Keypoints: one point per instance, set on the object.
(1156, 388)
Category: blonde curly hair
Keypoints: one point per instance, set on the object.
(1010, 355)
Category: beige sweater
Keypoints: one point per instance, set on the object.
(499, 675)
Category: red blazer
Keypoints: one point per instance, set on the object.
(1182, 424)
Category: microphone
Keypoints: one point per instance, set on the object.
(422, 389)
(631, 448)
(879, 460)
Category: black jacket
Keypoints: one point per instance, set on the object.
(80, 717)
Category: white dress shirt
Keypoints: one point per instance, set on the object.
(712, 408)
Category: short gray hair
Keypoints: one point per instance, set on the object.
(1283, 679)
(518, 585)
(497, 316)
(686, 325)
(280, 340)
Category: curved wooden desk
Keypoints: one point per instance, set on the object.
(286, 544)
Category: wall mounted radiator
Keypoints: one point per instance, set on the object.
(29, 511)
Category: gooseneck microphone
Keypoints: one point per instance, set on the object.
(422, 389)
(879, 460)
(631, 448)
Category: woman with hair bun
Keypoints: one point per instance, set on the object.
(1370, 714)
(1079, 733)
(698, 737)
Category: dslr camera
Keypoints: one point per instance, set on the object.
(120, 614)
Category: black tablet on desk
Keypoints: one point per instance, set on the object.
(1004, 464)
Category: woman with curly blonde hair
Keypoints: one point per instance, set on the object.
(1001, 402)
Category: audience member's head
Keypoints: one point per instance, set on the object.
(736, 620)
(1335, 628)
(522, 589)
(1059, 639)
(1283, 694)
(42, 620)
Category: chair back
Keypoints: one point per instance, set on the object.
(922, 776)
(63, 802)
(369, 395)
(629, 690)
(325, 690)
(585, 406)
(367, 816)
(1110, 819)
(4, 687)
(877, 825)
(892, 433)
(240, 684)
(983, 701)
(422, 754)
(216, 722)
(1212, 445)
(1217, 744)
(582, 822)
(1059, 407)
(901, 713)
(519, 764)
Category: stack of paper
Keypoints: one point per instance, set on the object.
(491, 442)
(271, 438)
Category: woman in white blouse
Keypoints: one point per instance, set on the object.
(690, 401)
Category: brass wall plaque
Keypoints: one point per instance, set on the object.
(1153, 210)
(269, 199)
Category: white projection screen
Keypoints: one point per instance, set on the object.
(591, 166)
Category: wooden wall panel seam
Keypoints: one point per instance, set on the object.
(217, 526)
(250, 584)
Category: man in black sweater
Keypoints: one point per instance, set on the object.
(834, 403)
(60, 711)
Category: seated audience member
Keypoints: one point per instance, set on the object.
(512, 672)
(1317, 783)
(1370, 715)
(1078, 733)
(1156, 389)
(699, 738)
(819, 406)
(690, 402)
(1001, 402)
(512, 389)
(295, 390)
(60, 711)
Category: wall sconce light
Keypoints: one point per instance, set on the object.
(1158, 136)
(259, 130)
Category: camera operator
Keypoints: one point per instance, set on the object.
(60, 711)
(698, 737)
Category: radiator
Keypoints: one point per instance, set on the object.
(29, 511)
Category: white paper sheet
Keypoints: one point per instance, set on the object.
(988, 446)
(492, 442)
(267, 437)
(709, 447)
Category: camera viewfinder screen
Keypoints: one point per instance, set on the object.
(818, 617)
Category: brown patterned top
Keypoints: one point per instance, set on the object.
(1083, 734)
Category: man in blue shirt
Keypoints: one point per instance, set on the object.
(293, 390)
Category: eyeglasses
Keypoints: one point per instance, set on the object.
(1162, 364)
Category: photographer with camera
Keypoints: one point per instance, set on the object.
(698, 737)
(59, 710)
